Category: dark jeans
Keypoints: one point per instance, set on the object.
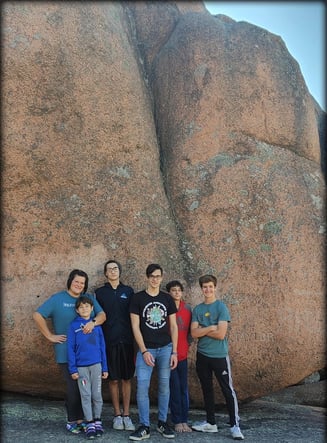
(179, 398)
(73, 399)
(220, 367)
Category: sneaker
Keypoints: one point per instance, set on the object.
(82, 426)
(74, 428)
(204, 426)
(236, 433)
(141, 433)
(98, 428)
(165, 430)
(118, 423)
(128, 424)
(90, 431)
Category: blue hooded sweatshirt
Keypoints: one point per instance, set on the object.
(85, 349)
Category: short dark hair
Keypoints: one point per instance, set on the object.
(112, 261)
(83, 300)
(207, 279)
(80, 273)
(152, 267)
(174, 283)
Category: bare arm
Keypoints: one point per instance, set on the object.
(99, 319)
(218, 332)
(135, 321)
(174, 339)
(147, 356)
(43, 327)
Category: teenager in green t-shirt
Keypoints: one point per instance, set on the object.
(209, 325)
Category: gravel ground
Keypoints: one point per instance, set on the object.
(27, 419)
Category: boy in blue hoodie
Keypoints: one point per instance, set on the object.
(87, 363)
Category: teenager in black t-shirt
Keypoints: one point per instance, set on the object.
(153, 316)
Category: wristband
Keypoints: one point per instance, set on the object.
(145, 352)
(174, 353)
(94, 320)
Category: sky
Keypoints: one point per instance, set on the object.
(301, 25)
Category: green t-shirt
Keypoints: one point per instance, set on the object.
(207, 315)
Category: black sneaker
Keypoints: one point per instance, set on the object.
(165, 430)
(141, 433)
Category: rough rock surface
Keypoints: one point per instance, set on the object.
(313, 394)
(156, 132)
(240, 149)
(81, 179)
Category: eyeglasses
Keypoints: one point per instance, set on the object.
(112, 269)
(155, 276)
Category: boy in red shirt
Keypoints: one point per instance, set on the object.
(179, 396)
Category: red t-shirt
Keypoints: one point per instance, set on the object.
(183, 319)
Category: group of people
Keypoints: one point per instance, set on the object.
(117, 333)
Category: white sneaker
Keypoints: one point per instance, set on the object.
(128, 424)
(236, 433)
(203, 426)
(118, 423)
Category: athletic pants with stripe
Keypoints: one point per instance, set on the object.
(220, 367)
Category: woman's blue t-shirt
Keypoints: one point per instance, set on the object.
(60, 307)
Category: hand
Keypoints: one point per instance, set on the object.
(105, 374)
(57, 338)
(173, 361)
(88, 327)
(148, 358)
(75, 376)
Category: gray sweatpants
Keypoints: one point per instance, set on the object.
(89, 384)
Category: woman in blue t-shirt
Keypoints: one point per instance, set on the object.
(60, 308)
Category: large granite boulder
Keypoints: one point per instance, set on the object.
(152, 131)
(240, 143)
(81, 177)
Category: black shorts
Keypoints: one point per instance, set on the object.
(121, 361)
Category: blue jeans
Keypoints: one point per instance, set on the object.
(179, 398)
(143, 374)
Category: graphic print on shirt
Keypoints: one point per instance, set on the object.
(207, 318)
(81, 327)
(155, 315)
(182, 326)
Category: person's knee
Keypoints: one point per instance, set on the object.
(163, 386)
(143, 386)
